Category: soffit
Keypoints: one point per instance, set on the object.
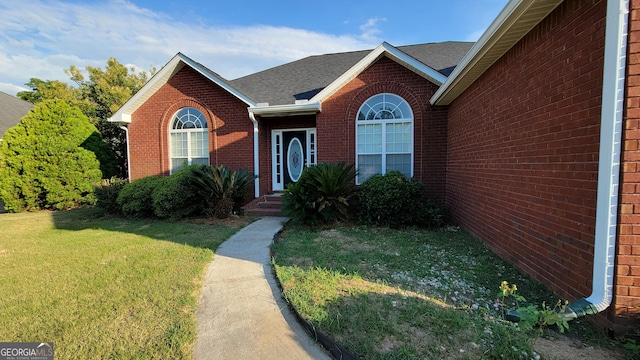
(512, 24)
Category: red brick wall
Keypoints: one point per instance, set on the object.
(627, 290)
(523, 150)
(230, 129)
(336, 123)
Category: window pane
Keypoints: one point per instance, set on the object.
(178, 163)
(399, 137)
(179, 146)
(200, 161)
(404, 110)
(399, 162)
(378, 109)
(199, 144)
(368, 165)
(189, 118)
(369, 139)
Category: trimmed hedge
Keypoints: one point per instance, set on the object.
(395, 201)
(176, 197)
(107, 194)
(165, 197)
(136, 198)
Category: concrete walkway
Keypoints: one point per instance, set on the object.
(241, 314)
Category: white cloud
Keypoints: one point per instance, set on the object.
(42, 38)
(370, 30)
(11, 88)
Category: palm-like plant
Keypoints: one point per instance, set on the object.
(322, 194)
(220, 187)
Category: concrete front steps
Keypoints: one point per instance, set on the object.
(266, 205)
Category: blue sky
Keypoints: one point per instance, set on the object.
(41, 38)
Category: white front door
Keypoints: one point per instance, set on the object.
(292, 151)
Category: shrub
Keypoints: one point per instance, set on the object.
(321, 195)
(42, 163)
(107, 194)
(136, 198)
(104, 154)
(176, 197)
(220, 188)
(395, 201)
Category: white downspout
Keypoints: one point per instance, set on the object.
(126, 133)
(609, 162)
(256, 152)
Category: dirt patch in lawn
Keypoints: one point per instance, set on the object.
(565, 348)
(233, 221)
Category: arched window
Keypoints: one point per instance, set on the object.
(189, 139)
(384, 137)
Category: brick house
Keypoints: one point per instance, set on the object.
(530, 136)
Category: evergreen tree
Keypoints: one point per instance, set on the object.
(44, 160)
(98, 96)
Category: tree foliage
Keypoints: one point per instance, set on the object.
(98, 94)
(48, 89)
(43, 164)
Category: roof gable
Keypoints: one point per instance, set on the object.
(304, 79)
(300, 86)
(123, 115)
(297, 80)
(384, 49)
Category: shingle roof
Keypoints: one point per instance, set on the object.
(304, 78)
(11, 110)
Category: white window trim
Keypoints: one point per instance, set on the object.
(190, 156)
(384, 124)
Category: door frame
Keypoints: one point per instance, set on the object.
(277, 152)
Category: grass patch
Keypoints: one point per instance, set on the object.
(104, 287)
(389, 294)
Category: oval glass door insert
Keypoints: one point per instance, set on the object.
(295, 159)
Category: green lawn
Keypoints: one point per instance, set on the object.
(104, 287)
(398, 294)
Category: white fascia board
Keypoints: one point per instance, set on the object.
(218, 81)
(382, 49)
(123, 115)
(499, 33)
(286, 110)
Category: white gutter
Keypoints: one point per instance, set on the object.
(299, 108)
(126, 132)
(613, 89)
(256, 152)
